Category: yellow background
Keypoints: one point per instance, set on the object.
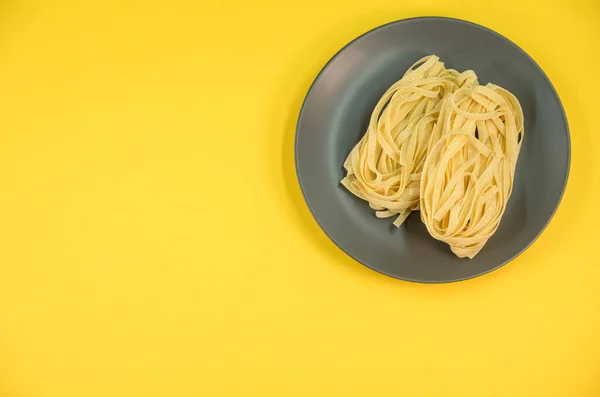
(154, 242)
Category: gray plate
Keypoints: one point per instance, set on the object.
(335, 114)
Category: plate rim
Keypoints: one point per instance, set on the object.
(382, 27)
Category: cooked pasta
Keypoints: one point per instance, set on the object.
(440, 142)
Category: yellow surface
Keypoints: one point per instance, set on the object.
(154, 241)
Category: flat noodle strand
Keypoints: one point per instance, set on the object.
(384, 168)
(468, 174)
(440, 143)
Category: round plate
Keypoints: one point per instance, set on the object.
(335, 115)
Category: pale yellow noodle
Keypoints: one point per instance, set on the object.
(468, 175)
(385, 167)
(439, 142)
